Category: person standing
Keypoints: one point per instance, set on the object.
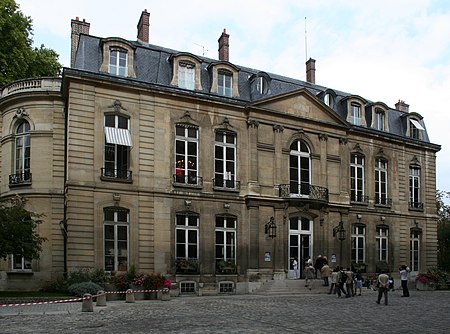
(358, 281)
(310, 274)
(383, 287)
(318, 264)
(326, 273)
(404, 274)
(295, 268)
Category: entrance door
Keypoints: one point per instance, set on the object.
(300, 244)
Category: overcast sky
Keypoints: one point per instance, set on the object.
(382, 50)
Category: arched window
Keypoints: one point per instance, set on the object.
(299, 169)
(22, 154)
(116, 238)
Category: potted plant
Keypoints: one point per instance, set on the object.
(187, 266)
(226, 266)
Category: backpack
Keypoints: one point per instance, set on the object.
(343, 277)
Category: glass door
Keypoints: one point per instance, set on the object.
(300, 245)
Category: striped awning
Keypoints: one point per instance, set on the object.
(417, 124)
(118, 136)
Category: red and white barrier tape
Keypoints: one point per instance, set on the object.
(81, 298)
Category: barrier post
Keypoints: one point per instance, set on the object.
(130, 296)
(87, 306)
(101, 298)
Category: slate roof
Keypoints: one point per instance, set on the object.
(152, 65)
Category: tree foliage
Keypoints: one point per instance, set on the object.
(443, 211)
(18, 59)
(18, 230)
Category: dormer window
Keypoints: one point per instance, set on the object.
(328, 99)
(355, 116)
(380, 120)
(186, 75)
(225, 81)
(261, 85)
(186, 71)
(415, 129)
(118, 62)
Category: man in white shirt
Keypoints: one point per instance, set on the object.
(383, 288)
(404, 273)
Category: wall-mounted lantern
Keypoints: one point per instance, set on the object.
(271, 228)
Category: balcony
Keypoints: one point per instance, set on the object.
(32, 85)
(383, 201)
(190, 180)
(304, 191)
(416, 206)
(23, 178)
(119, 175)
(230, 185)
(359, 199)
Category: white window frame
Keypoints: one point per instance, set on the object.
(328, 99)
(225, 176)
(356, 177)
(381, 181)
(188, 230)
(414, 248)
(120, 65)
(22, 152)
(380, 119)
(25, 264)
(415, 129)
(300, 151)
(228, 231)
(117, 172)
(186, 75)
(358, 243)
(223, 88)
(414, 187)
(186, 170)
(356, 113)
(116, 224)
(382, 245)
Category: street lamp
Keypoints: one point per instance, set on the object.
(271, 228)
(340, 232)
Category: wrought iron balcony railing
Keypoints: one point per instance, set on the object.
(117, 174)
(20, 178)
(226, 184)
(188, 180)
(303, 190)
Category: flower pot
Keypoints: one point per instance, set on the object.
(424, 286)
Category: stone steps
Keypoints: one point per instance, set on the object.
(291, 286)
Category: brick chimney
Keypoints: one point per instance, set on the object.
(143, 27)
(78, 27)
(224, 46)
(402, 106)
(311, 71)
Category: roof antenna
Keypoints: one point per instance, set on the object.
(203, 48)
(306, 43)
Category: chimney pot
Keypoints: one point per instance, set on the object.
(143, 27)
(224, 45)
(402, 106)
(78, 27)
(311, 71)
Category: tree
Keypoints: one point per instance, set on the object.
(18, 235)
(443, 211)
(18, 60)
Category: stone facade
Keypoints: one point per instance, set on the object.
(68, 127)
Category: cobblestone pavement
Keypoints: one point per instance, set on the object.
(423, 312)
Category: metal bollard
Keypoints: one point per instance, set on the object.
(87, 306)
(101, 298)
(130, 296)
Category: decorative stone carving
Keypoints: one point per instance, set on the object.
(20, 113)
(323, 136)
(252, 123)
(278, 128)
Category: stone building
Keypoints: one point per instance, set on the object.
(216, 173)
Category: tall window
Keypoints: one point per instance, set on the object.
(358, 243)
(356, 117)
(225, 159)
(379, 120)
(116, 238)
(117, 147)
(225, 241)
(186, 156)
(299, 168)
(382, 243)
(414, 187)
(22, 154)
(329, 100)
(186, 75)
(414, 247)
(357, 178)
(118, 62)
(381, 182)
(186, 236)
(225, 81)
(262, 85)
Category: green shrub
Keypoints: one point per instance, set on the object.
(80, 275)
(57, 285)
(79, 289)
